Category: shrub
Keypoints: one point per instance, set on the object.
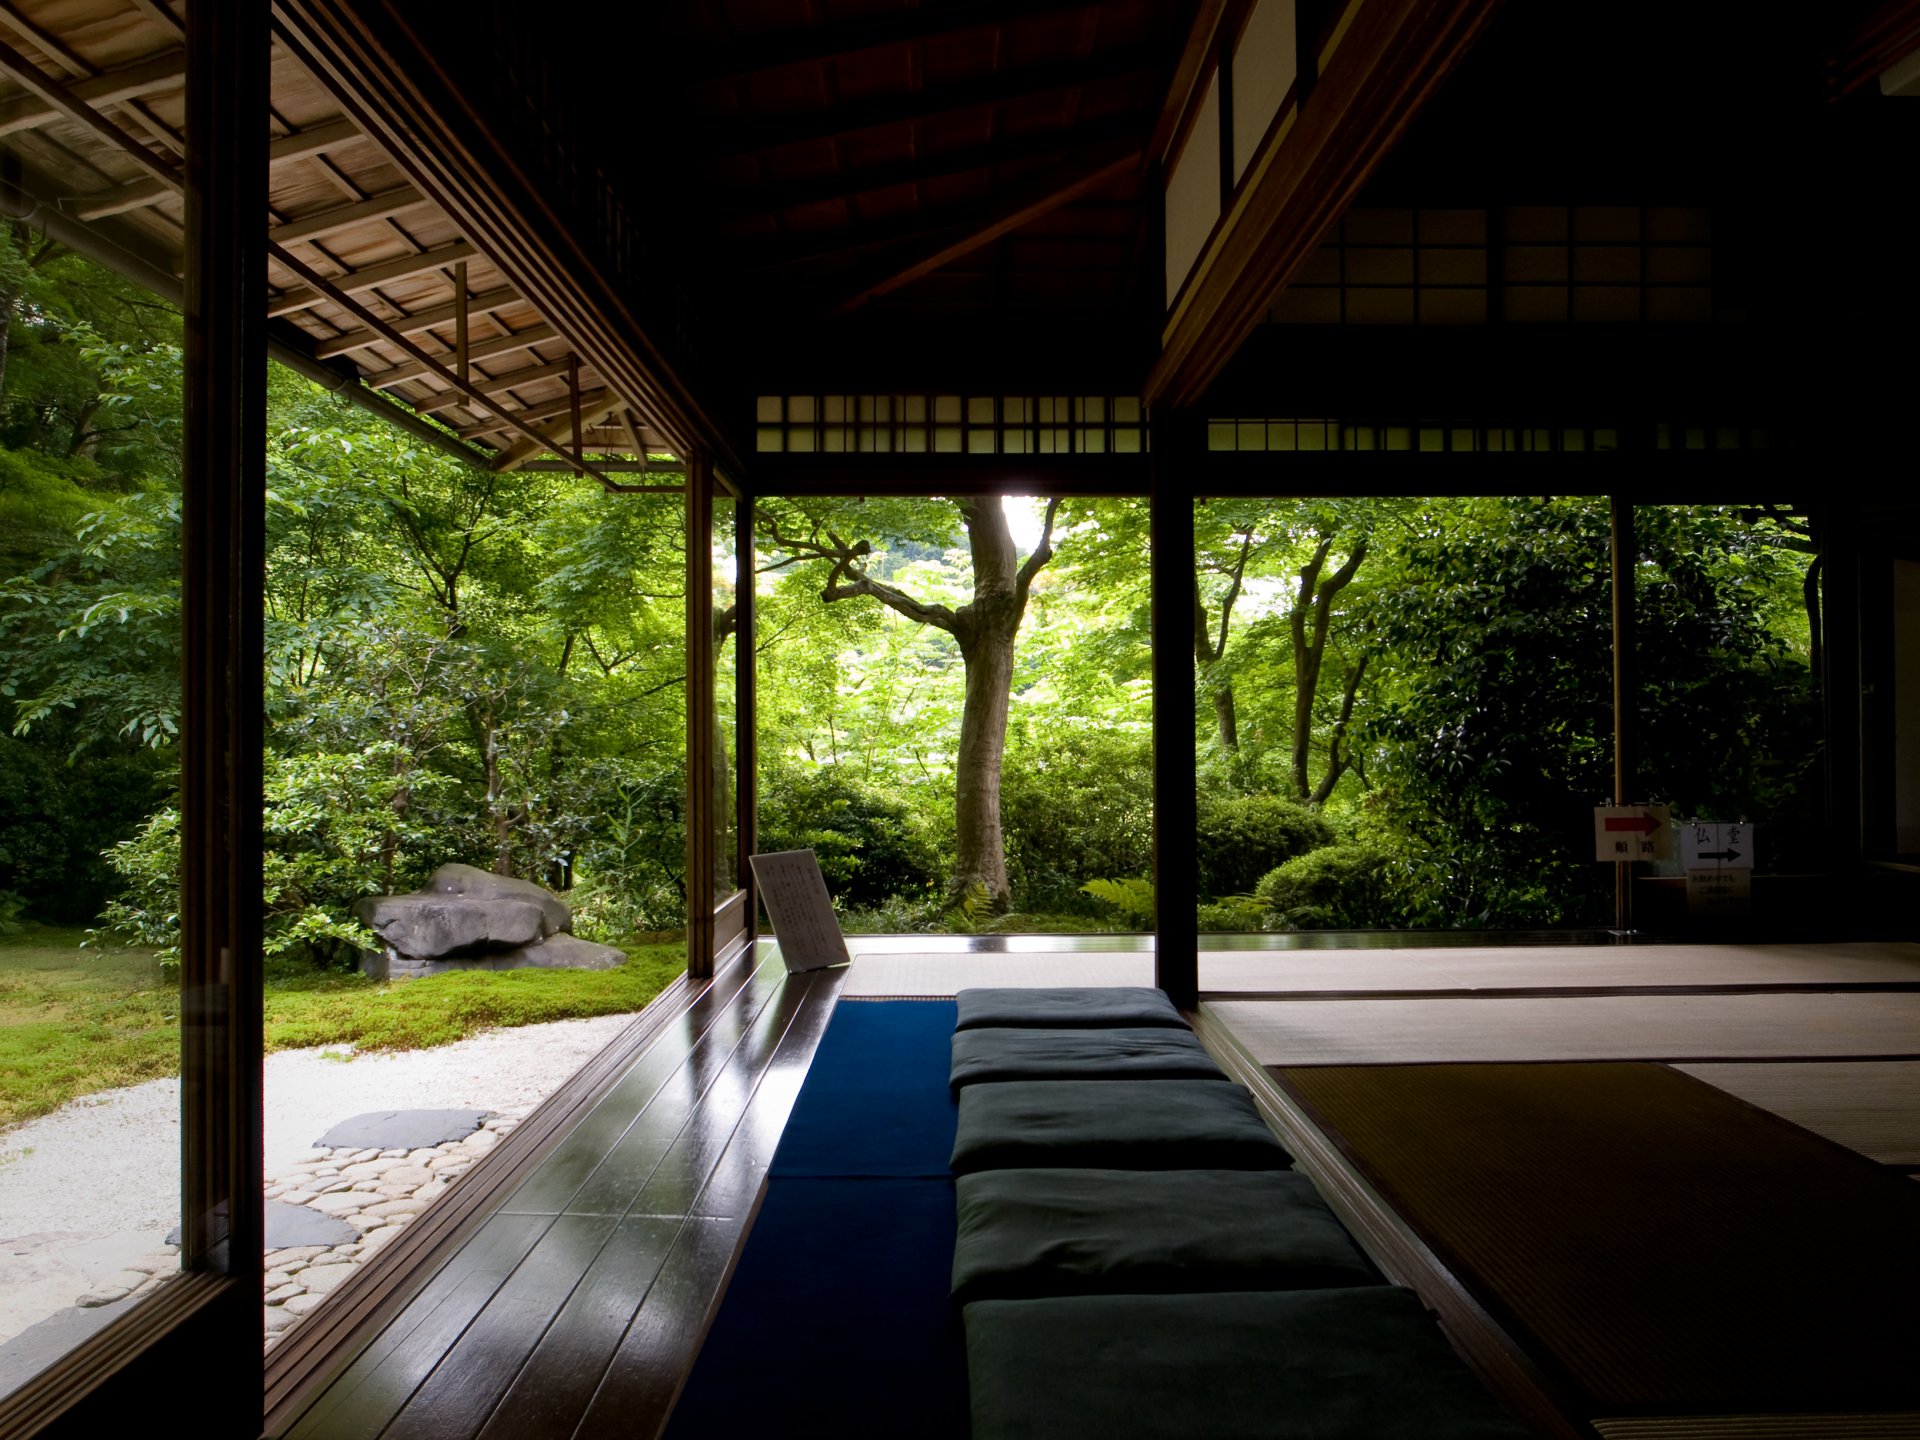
(869, 843)
(1075, 806)
(1338, 887)
(1243, 837)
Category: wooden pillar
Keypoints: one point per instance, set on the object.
(701, 830)
(1622, 552)
(1175, 806)
(746, 718)
(223, 509)
(1843, 594)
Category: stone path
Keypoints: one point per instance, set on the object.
(378, 1193)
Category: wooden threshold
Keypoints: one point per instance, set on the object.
(1403, 1257)
(647, 1151)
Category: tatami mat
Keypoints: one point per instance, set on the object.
(1558, 967)
(944, 975)
(1872, 1106)
(1608, 1027)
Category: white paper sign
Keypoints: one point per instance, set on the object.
(1711, 845)
(1631, 832)
(795, 894)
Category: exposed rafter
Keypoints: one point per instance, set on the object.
(288, 260)
(1129, 125)
(375, 207)
(482, 350)
(546, 410)
(771, 132)
(370, 276)
(740, 58)
(418, 320)
(1060, 187)
(73, 106)
(494, 385)
(162, 72)
(557, 438)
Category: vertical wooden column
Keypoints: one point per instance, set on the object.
(701, 830)
(746, 716)
(1175, 807)
(1842, 611)
(223, 507)
(1623, 548)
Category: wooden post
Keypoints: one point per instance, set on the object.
(573, 407)
(746, 719)
(700, 681)
(1175, 806)
(223, 510)
(1623, 548)
(460, 299)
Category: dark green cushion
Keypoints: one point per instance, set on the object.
(1114, 1125)
(1083, 1054)
(1363, 1363)
(1027, 1233)
(1068, 1007)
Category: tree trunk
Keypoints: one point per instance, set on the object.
(1314, 602)
(980, 850)
(986, 629)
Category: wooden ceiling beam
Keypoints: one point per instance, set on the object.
(749, 55)
(782, 196)
(287, 260)
(481, 350)
(1060, 187)
(368, 276)
(68, 102)
(375, 207)
(414, 323)
(161, 16)
(144, 77)
(546, 410)
(771, 132)
(300, 145)
(557, 438)
(313, 140)
(512, 380)
(1391, 59)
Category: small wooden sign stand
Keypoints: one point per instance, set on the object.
(795, 894)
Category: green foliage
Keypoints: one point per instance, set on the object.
(1076, 804)
(1338, 887)
(1242, 837)
(1131, 896)
(1494, 728)
(870, 845)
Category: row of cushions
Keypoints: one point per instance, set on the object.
(1135, 1258)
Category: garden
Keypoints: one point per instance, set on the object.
(1404, 714)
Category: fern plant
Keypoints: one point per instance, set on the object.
(1130, 895)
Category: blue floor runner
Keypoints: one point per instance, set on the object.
(836, 1323)
(875, 1100)
(837, 1320)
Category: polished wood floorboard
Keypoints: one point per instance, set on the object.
(577, 1308)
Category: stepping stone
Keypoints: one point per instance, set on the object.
(402, 1129)
(291, 1225)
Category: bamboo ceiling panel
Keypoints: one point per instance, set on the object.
(337, 201)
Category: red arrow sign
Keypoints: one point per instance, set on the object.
(1645, 824)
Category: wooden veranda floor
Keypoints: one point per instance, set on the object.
(572, 1299)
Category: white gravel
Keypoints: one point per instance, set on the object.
(99, 1179)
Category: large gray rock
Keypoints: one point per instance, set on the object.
(477, 884)
(468, 919)
(434, 927)
(567, 952)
